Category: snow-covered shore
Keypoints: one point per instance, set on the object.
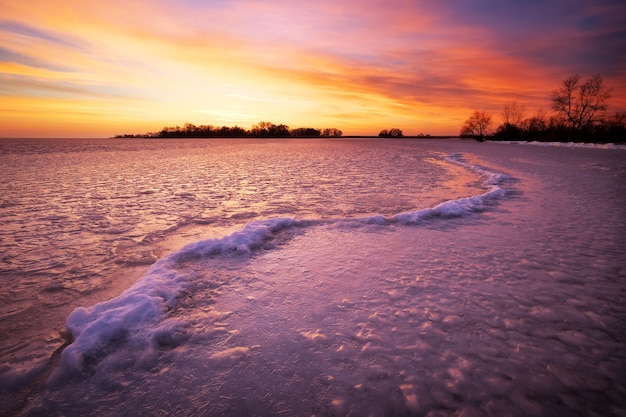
(564, 144)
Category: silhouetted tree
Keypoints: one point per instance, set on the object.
(331, 132)
(579, 103)
(477, 126)
(513, 114)
(395, 133)
(513, 117)
(189, 130)
(237, 131)
(612, 129)
(305, 132)
(279, 131)
(536, 124)
(391, 133)
(509, 132)
(268, 129)
(262, 129)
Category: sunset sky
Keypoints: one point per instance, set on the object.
(95, 68)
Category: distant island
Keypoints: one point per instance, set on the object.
(260, 130)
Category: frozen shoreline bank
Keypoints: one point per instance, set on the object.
(562, 144)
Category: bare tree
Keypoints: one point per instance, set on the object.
(477, 126)
(331, 132)
(578, 102)
(537, 123)
(268, 129)
(391, 133)
(513, 114)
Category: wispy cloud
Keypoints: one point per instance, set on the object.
(24, 29)
(353, 65)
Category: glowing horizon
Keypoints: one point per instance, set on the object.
(97, 69)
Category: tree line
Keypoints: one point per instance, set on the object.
(260, 130)
(579, 116)
(391, 133)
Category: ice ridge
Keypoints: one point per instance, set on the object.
(137, 315)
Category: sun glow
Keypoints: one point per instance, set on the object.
(94, 69)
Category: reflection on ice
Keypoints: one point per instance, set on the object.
(506, 303)
(328, 335)
(83, 219)
(137, 311)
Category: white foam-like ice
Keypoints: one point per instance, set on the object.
(516, 312)
(462, 206)
(138, 312)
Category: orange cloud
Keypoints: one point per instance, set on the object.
(103, 67)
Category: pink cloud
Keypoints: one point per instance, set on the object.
(407, 58)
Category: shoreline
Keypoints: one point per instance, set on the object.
(565, 143)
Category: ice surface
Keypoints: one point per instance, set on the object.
(138, 312)
(509, 302)
(82, 220)
(461, 206)
(135, 313)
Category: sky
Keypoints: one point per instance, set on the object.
(95, 68)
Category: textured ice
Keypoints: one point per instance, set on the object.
(141, 308)
(510, 301)
(82, 220)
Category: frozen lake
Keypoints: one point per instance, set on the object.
(352, 277)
